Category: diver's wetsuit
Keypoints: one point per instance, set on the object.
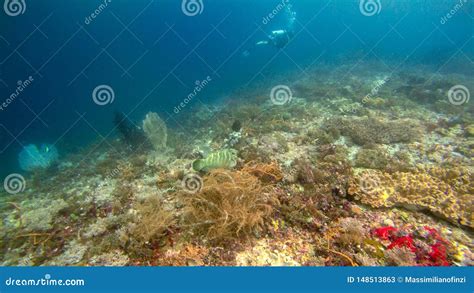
(280, 38)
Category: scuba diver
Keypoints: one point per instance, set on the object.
(279, 38)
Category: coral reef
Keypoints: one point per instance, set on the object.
(470, 130)
(189, 255)
(268, 253)
(400, 256)
(371, 130)
(267, 173)
(352, 232)
(41, 216)
(379, 157)
(114, 258)
(371, 169)
(419, 191)
(100, 227)
(73, 255)
(373, 158)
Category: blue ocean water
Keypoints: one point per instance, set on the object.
(151, 53)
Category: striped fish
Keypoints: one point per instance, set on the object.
(226, 159)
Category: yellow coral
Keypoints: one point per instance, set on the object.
(293, 250)
(445, 193)
(374, 102)
(470, 130)
(460, 249)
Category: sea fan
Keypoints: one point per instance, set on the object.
(33, 157)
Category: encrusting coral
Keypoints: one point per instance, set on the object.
(188, 255)
(231, 204)
(73, 254)
(110, 259)
(372, 130)
(417, 191)
(42, 218)
(372, 158)
(400, 256)
(156, 131)
(352, 232)
(266, 252)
